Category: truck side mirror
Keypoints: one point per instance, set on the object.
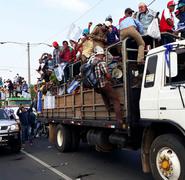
(172, 70)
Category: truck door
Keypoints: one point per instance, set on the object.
(172, 92)
(149, 92)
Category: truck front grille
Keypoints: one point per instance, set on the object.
(3, 127)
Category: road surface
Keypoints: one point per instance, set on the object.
(42, 161)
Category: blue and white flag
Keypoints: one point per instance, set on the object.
(169, 48)
(72, 87)
(39, 102)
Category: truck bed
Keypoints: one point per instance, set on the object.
(85, 106)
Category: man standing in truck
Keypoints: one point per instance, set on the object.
(104, 85)
(130, 27)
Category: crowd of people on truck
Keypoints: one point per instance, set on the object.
(134, 25)
(67, 61)
(13, 88)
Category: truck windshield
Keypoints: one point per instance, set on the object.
(3, 115)
(180, 78)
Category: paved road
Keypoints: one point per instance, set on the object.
(43, 162)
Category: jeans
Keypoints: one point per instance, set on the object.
(24, 133)
(108, 94)
(133, 33)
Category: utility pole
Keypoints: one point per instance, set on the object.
(29, 75)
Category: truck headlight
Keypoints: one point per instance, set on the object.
(14, 127)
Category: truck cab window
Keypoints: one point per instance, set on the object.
(150, 72)
(180, 78)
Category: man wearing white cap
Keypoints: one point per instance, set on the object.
(145, 16)
(104, 85)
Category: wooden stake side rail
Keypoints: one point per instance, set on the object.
(85, 105)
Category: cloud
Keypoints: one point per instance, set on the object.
(73, 5)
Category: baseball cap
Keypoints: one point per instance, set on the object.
(171, 3)
(180, 5)
(98, 50)
(109, 18)
(55, 44)
(85, 31)
(128, 10)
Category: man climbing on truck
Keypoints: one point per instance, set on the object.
(104, 86)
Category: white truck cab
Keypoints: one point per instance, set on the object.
(162, 103)
(163, 92)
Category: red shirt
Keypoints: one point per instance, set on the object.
(67, 55)
(164, 26)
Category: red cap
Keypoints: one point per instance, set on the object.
(55, 44)
(171, 3)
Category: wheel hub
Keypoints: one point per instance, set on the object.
(59, 138)
(168, 164)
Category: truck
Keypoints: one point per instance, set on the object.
(152, 97)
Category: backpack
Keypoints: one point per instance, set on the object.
(89, 79)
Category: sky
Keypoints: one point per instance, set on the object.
(40, 22)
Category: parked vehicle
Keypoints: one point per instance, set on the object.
(152, 97)
(9, 132)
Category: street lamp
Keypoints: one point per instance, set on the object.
(28, 44)
(6, 70)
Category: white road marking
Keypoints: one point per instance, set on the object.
(47, 165)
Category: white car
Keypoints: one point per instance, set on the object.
(9, 132)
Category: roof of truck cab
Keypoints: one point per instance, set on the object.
(162, 48)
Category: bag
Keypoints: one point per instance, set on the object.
(88, 76)
(153, 29)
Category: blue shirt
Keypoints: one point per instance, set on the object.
(113, 36)
(181, 23)
(129, 21)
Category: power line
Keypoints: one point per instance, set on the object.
(77, 19)
(151, 3)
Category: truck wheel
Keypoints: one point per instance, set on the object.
(167, 160)
(63, 138)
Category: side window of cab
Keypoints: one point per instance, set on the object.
(150, 72)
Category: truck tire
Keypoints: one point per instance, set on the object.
(63, 138)
(167, 160)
